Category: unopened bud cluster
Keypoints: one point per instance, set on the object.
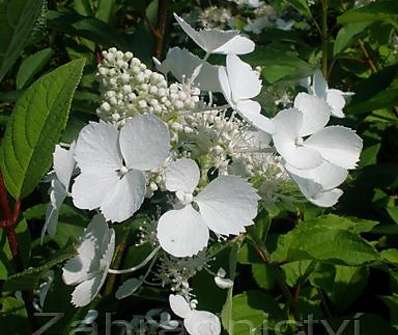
(129, 88)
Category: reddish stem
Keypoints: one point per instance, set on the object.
(4, 204)
(10, 218)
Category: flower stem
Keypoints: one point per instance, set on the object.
(137, 267)
(325, 38)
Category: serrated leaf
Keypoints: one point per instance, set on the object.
(31, 66)
(329, 239)
(20, 37)
(35, 128)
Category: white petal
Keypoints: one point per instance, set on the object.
(251, 111)
(297, 156)
(340, 146)
(90, 189)
(182, 175)
(77, 269)
(227, 205)
(179, 306)
(182, 233)
(98, 147)
(182, 64)
(144, 142)
(288, 121)
(64, 164)
(315, 193)
(319, 84)
(224, 84)
(335, 98)
(237, 45)
(327, 175)
(202, 323)
(57, 196)
(217, 41)
(87, 290)
(327, 198)
(316, 113)
(243, 80)
(83, 293)
(125, 198)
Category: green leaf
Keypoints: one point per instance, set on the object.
(31, 66)
(30, 278)
(277, 64)
(105, 10)
(21, 34)
(346, 35)
(37, 121)
(88, 27)
(384, 10)
(13, 316)
(250, 311)
(329, 239)
(384, 99)
(264, 276)
(301, 6)
(390, 256)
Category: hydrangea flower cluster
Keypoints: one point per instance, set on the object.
(211, 164)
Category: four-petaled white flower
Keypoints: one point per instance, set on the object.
(113, 163)
(64, 166)
(240, 83)
(334, 97)
(226, 206)
(195, 322)
(88, 270)
(215, 41)
(337, 145)
(186, 66)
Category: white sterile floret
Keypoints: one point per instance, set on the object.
(335, 144)
(319, 185)
(226, 206)
(113, 163)
(334, 97)
(64, 166)
(240, 83)
(184, 65)
(214, 41)
(88, 270)
(195, 322)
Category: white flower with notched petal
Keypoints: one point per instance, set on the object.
(334, 97)
(64, 166)
(226, 206)
(184, 66)
(319, 185)
(88, 270)
(337, 145)
(195, 322)
(112, 164)
(215, 41)
(240, 83)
